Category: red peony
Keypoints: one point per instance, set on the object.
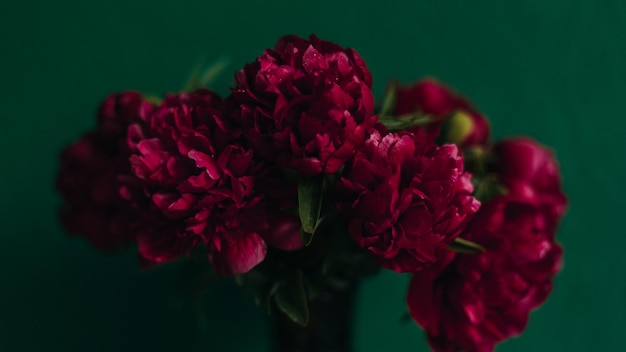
(470, 302)
(526, 166)
(406, 198)
(305, 104)
(199, 185)
(481, 299)
(88, 174)
(466, 125)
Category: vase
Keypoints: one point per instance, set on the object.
(329, 328)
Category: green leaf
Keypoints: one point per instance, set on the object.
(210, 73)
(306, 237)
(290, 298)
(404, 122)
(200, 78)
(389, 100)
(488, 187)
(464, 246)
(261, 284)
(264, 297)
(310, 194)
(152, 99)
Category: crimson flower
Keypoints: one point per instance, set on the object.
(88, 175)
(306, 104)
(197, 186)
(470, 302)
(526, 166)
(406, 198)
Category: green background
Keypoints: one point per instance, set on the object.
(554, 70)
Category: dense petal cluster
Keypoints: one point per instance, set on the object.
(88, 175)
(406, 198)
(200, 183)
(471, 302)
(306, 104)
(429, 97)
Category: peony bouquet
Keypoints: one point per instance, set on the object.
(298, 185)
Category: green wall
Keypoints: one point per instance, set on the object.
(554, 70)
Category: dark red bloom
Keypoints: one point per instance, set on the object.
(465, 126)
(199, 184)
(529, 168)
(305, 104)
(406, 198)
(470, 302)
(88, 175)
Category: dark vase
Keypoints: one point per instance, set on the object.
(329, 328)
